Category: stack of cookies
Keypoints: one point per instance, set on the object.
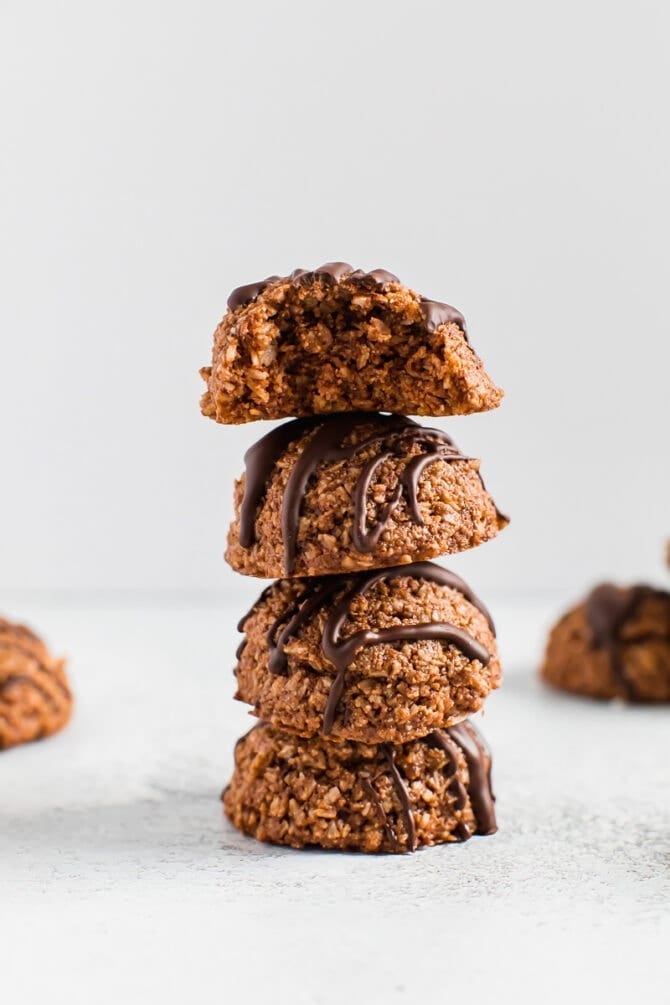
(363, 660)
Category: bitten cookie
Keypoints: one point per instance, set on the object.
(35, 699)
(616, 644)
(383, 656)
(355, 491)
(361, 797)
(335, 340)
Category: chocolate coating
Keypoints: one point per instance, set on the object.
(327, 445)
(35, 698)
(479, 766)
(341, 652)
(608, 607)
(435, 313)
(245, 294)
(360, 797)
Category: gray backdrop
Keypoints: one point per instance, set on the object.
(511, 159)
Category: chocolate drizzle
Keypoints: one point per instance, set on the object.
(434, 312)
(14, 646)
(259, 462)
(381, 812)
(394, 436)
(243, 295)
(403, 795)
(245, 617)
(478, 760)
(15, 679)
(608, 607)
(441, 738)
(460, 739)
(340, 652)
(21, 640)
(402, 792)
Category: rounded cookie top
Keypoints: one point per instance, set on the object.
(380, 656)
(615, 644)
(361, 797)
(338, 339)
(35, 699)
(338, 493)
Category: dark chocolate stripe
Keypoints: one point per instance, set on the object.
(17, 647)
(245, 617)
(40, 666)
(402, 792)
(243, 295)
(460, 739)
(307, 605)
(395, 437)
(259, 461)
(403, 795)
(22, 678)
(479, 769)
(608, 607)
(434, 312)
(381, 813)
(325, 445)
(441, 738)
(341, 652)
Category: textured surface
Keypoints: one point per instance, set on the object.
(631, 661)
(392, 692)
(352, 796)
(121, 881)
(35, 698)
(456, 512)
(304, 348)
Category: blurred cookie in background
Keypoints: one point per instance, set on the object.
(615, 644)
(35, 698)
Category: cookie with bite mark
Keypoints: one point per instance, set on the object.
(337, 339)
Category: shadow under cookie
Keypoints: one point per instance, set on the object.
(384, 656)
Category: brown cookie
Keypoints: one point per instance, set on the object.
(361, 797)
(383, 656)
(35, 699)
(355, 491)
(336, 340)
(616, 644)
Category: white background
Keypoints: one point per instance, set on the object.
(510, 158)
(119, 882)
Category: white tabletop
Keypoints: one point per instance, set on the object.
(120, 881)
